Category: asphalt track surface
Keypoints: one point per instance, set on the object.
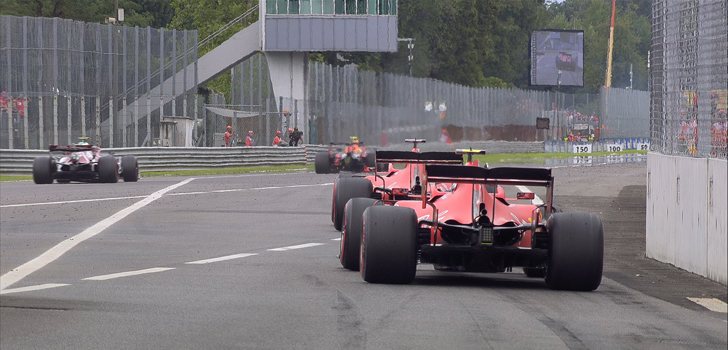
(274, 281)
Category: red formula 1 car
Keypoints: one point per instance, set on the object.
(84, 163)
(467, 226)
(353, 195)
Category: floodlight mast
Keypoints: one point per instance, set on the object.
(411, 46)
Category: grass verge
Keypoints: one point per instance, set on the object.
(7, 178)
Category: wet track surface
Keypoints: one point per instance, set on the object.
(250, 262)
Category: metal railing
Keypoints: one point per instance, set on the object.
(177, 158)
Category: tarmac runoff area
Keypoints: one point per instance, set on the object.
(250, 261)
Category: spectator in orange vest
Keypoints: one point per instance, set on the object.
(249, 138)
(277, 139)
(228, 135)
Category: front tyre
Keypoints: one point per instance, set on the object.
(576, 254)
(107, 168)
(389, 245)
(129, 169)
(43, 170)
(351, 232)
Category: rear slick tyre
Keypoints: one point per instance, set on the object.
(576, 254)
(108, 172)
(389, 245)
(321, 163)
(43, 170)
(348, 188)
(351, 232)
(129, 169)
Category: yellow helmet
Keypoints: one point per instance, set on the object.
(354, 139)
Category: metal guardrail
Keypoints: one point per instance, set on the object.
(176, 158)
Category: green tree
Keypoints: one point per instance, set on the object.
(207, 16)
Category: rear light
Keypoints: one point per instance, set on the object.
(525, 195)
(486, 235)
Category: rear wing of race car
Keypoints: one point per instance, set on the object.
(71, 148)
(418, 158)
(469, 153)
(498, 176)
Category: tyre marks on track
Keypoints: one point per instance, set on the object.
(349, 322)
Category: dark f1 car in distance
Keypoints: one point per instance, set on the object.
(353, 157)
(83, 162)
(471, 229)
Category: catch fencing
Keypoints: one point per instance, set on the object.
(62, 79)
(689, 78)
(384, 108)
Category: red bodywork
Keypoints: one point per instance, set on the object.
(465, 216)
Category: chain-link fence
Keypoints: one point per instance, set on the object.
(61, 79)
(689, 77)
(382, 107)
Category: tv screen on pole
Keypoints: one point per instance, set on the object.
(557, 58)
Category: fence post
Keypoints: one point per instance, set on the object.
(10, 123)
(280, 114)
(41, 132)
(55, 119)
(69, 121)
(112, 109)
(83, 116)
(98, 119)
(124, 112)
(149, 120)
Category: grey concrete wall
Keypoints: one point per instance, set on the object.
(331, 33)
(687, 202)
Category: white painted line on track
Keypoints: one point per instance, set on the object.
(69, 202)
(208, 177)
(222, 258)
(127, 273)
(247, 189)
(20, 272)
(300, 246)
(32, 288)
(169, 194)
(712, 304)
(336, 239)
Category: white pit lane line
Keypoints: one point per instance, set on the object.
(168, 194)
(70, 202)
(712, 304)
(247, 189)
(32, 288)
(222, 258)
(58, 250)
(293, 247)
(127, 274)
